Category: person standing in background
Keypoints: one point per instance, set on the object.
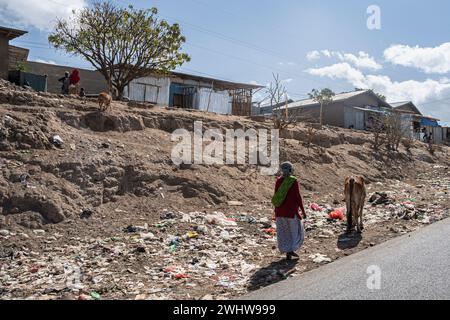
(65, 83)
(74, 81)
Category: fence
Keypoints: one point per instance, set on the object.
(20, 78)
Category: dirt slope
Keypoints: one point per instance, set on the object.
(67, 204)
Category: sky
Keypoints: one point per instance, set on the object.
(399, 48)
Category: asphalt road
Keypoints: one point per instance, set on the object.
(414, 266)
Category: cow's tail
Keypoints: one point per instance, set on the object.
(350, 213)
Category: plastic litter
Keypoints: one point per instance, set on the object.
(270, 231)
(95, 295)
(319, 258)
(338, 214)
(218, 218)
(192, 235)
(57, 141)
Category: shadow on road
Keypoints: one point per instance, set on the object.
(275, 272)
(349, 241)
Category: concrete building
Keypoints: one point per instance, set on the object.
(6, 35)
(348, 110)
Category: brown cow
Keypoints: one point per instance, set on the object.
(355, 197)
(104, 101)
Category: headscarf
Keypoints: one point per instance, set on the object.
(287, 169)
(74, 77)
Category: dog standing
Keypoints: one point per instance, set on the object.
(355, 197)
(104, 101)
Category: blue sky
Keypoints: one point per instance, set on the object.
(311, 44)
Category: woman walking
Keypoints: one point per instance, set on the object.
(287, 201)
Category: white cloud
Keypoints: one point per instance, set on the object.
(287, 80)
(326, 53)
(45, 61)
(342, 71)
(40, 14)
(417, 91)
(428, 59)
(362, 60)
(287, 63)
(313, 55)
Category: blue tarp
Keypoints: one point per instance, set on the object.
(428, 123)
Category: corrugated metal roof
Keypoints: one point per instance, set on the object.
(400, 104)
(221, 84)
(12, 33)
(337, 97)
(370, 110)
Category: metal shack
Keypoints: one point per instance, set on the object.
(180, 90)
(347, 110)
(417, 125)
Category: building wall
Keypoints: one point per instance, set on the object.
(446, 135)
(362, 100)
(333, 114)
(4, 54)
(339, 113)
(354, 118)
(213, 101)
(150, 89)
(407, 125)
(159, 86)
(157, 90)
(92, 81)
(17, 55)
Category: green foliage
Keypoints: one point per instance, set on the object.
(324, 96)
(379, 95)
(382, 97)
(122, 43)
(22, 66)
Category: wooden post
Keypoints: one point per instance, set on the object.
(286, 111)
(209, 98)
(321, 114)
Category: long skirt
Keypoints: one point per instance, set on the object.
(290, 234)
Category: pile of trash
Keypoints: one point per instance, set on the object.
(195, 255)
(212, 251)
(201, 254)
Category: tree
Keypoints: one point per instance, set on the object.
(378, 129)
(395, 131)
(323, 97)
(123, 44)
(381, 96)
(278, 96)
(276, 91)
(21, 66)
(388, 129)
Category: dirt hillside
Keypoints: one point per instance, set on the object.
(95, 197)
